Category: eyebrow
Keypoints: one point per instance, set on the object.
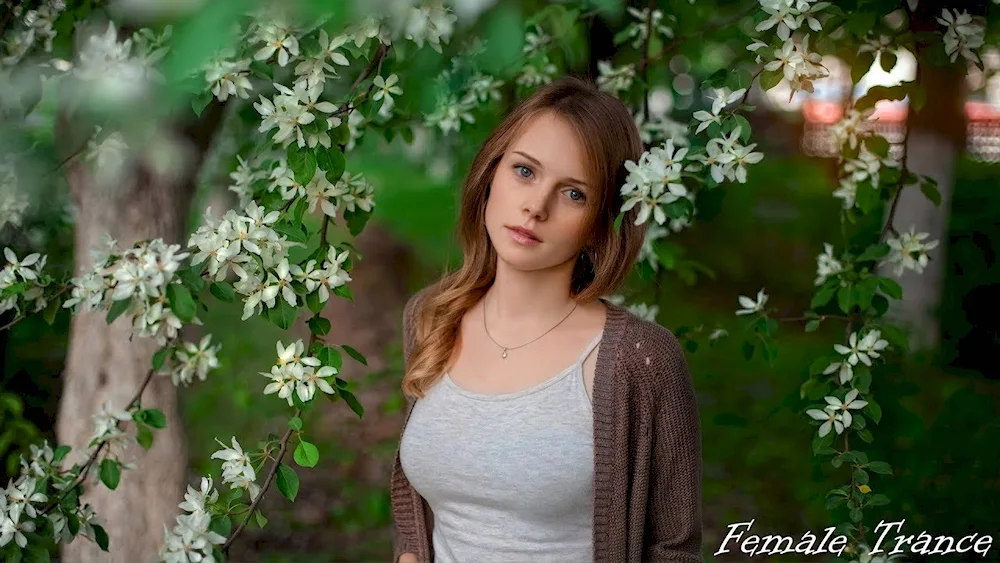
(539, 164)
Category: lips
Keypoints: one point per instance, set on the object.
(525, 232)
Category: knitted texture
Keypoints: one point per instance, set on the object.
(647, 450)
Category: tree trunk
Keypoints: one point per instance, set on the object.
(936, 139)
(105, 364)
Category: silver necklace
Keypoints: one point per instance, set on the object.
(505, 348)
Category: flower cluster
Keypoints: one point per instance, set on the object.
(36, 27)
(191, 539)
(857, 350)
(13, 202)
(655, 181)
(638, 30)
(963, 35)
(837, 414)
(237, 470)
(139, 275)
(21, 283)
(827, 265)
(613, 79)
(194, 360)
(298, 374)
(908, 251)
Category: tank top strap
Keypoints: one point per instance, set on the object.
(590, 348)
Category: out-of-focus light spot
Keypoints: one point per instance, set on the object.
(683, 84)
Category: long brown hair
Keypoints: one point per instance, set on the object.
(609, 136)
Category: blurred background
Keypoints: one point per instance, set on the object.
(939, 429)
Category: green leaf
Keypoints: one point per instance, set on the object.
(320, 326)
(844, 298)
(736, 80)
(887, 59)
(813, 389)
(880, 467)
(288, 482)
(117, 308)
(223, 291)
(221, 524)
(295, 423)
(865, 435)
(354, 354)
(890, 287)
(302, 162)
(199, 103)
(856, 515)
(331, 161)
(864, 291)
(259, 518)
(181, 302)
(747, 349)
(330, 356)
(825, 293)
(874, 252)
(299, 209)
(352, 402)
(812, 325)
(153, 417)
(860, 476)
(291, 232)
(51, 310)
(877, 500)
(160, 357)
(862, 379)
(770, 78)
(877, 144)
(144, 436)
(312, 301)
(233, 495)
(192, 278)
(867, 197)
(356, 220)
(100, 537)
(60, 453)
(110, 473)
(306, 454)
(834, 502)
(718, 78)
(282, 314)
(929, 188)
(744, 125)
(874, 410)
(618, 222)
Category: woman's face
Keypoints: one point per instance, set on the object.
(541, 184)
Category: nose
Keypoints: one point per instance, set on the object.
(535, 206)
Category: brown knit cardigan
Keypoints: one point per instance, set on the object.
(647, 450)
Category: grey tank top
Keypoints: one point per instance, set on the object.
(508, 477)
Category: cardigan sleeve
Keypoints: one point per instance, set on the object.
(674, 524)
(403, 512)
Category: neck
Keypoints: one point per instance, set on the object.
(527, 299)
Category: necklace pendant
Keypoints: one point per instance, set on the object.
(504, 355)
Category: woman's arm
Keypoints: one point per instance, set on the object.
(674, 523)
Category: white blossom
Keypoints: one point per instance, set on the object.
(237, 471)
(908, 251)
(963, 36)
(195, 360)
(863, 350)
(751, 306)
(826, 265)
(850, 402)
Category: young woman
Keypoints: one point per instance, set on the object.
(546, 423)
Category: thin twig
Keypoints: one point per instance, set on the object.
(814, 318)
(644, 60)
(324, 229)
(267, 484)
(97, 451)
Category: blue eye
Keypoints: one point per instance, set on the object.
(519, 168)
(581, 198)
